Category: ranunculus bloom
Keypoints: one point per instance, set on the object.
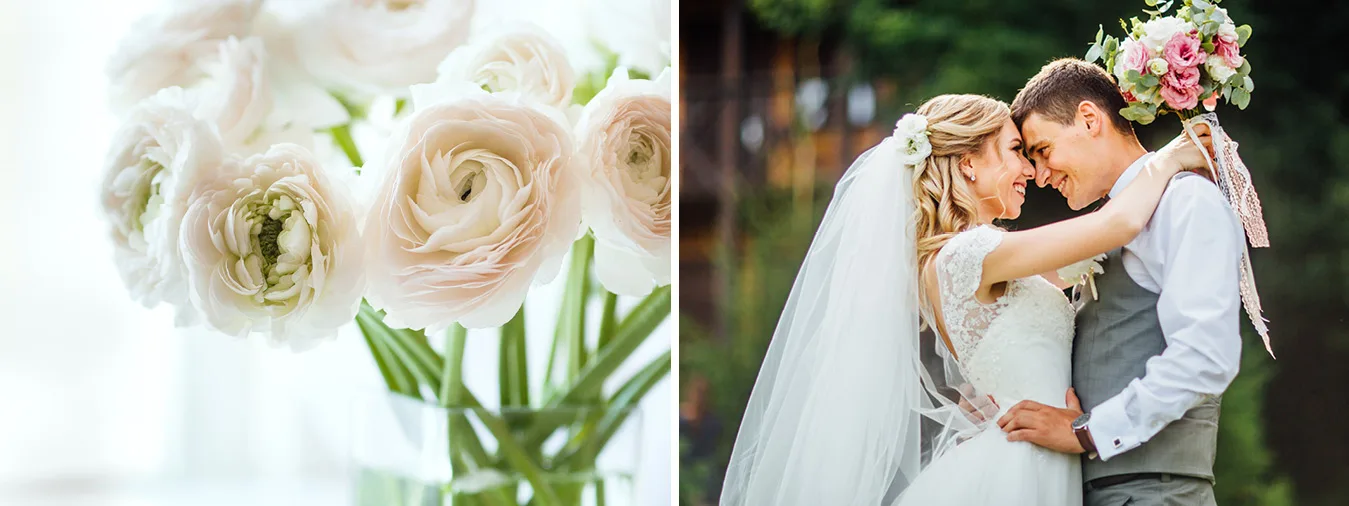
(479, 199)
(1229, 51)
(1158, 66)
(168, 48)
(625, 141)
(272, 245)
(638, 31)
(380, 46)
(522, 59)
(145, 194)
(1183, 51)
(238, 97)
(1132, 56)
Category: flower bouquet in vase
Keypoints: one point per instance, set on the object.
(1175, 63)
(237, 192)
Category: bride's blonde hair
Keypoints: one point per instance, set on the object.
(959, 126)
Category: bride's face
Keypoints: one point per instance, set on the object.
(1000, 173)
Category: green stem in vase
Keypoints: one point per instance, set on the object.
(570, 335)
(580, 453)
(609, 320)
(342, 136)
(513, 370)
(513, 453)
(633, 330)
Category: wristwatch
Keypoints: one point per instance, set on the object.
(1083, 436)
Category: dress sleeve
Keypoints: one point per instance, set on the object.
(960, 271)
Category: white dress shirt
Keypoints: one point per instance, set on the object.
(1190, 255)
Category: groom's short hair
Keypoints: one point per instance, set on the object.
(1061, 85)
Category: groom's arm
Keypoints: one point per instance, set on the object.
(1199, 310)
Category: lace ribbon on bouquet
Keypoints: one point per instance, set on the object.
(1235, 182)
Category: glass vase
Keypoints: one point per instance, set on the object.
(407, 452)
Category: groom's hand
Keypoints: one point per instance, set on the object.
(1045, 426)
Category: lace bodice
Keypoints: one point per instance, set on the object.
(1017, 347)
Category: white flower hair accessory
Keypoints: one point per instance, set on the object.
(911, 132)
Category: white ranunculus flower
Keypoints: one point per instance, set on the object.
(272, 246)
(638, 31)
(377, 47)
(523, 59)
(168, 48)
(624, 135)
(145, 193)
(479, 199)
(1218, 68)
(238, 96)
(1157, 32)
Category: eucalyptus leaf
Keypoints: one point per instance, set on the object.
(1248, 84)
(1243, 33)
(1093, 54)
(1100, 32)
(1149, 81)
(1111, 45)
(1208, 47)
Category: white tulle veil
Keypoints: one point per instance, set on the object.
(854, 397)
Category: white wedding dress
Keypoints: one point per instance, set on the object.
(856, 406)
(1016, 348)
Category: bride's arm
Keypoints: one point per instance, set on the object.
(1047, 248)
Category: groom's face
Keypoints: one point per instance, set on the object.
(1063, 158)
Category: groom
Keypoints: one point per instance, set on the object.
(1154, 353)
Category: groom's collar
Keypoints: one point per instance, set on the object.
(1129, 174)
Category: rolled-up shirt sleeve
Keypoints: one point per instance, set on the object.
(1199, 310)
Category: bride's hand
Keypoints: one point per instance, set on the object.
(1182, 153)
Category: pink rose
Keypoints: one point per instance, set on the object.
(1181, 99)
(1229, 51)
(1183, 51)
(1133, 56)
(1183, 77)
(1180, 88)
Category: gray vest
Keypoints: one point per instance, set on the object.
(1116, 336)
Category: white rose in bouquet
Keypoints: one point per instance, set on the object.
(479, 199)
(1158, 31)
(624, 137)
(168, 48)
(272, 246)
(145, 193)
(378, 47)
(523, 59)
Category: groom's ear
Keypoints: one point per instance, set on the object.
(1091, 117)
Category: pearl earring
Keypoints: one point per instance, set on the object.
(971, 177)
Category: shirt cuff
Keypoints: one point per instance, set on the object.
(1110, 429)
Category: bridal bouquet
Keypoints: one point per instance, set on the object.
(1173, 63)
(236, 192)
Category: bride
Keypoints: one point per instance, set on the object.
(856, 404)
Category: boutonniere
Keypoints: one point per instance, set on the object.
(1084, 273)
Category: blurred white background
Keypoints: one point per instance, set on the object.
(103, 402)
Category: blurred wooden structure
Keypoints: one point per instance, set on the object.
(756, 110)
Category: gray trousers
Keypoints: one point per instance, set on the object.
(1168, 490)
